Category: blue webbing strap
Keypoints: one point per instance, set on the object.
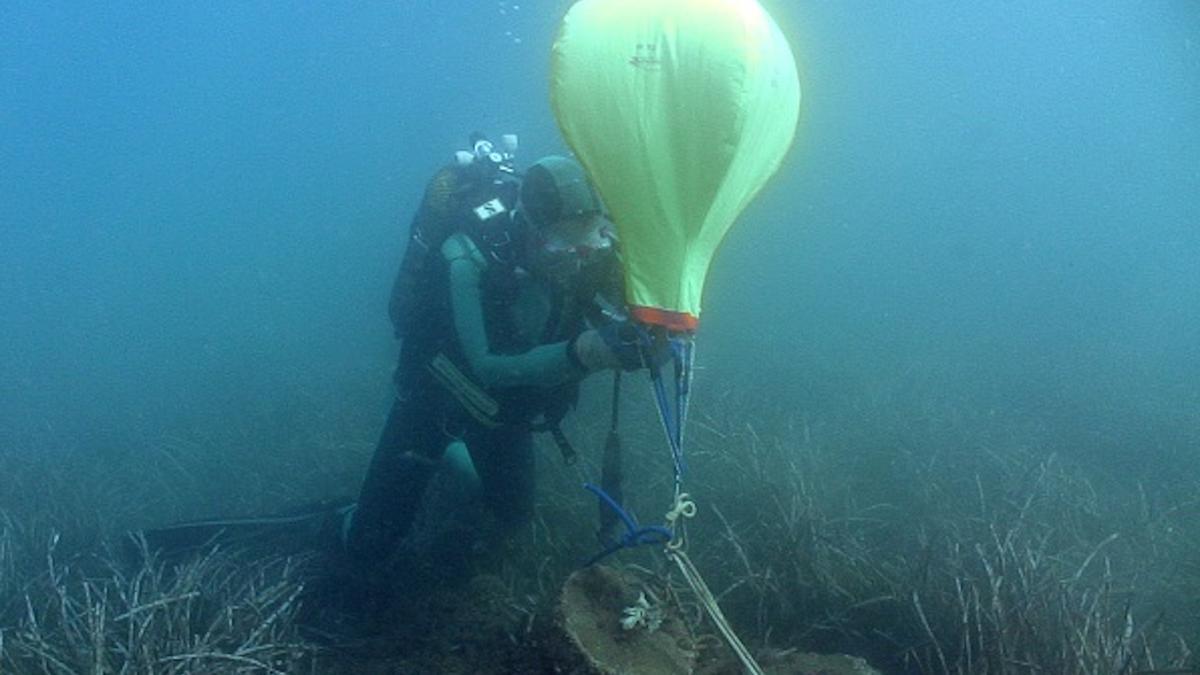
(635, 535)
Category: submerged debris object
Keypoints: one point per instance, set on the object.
(609, 624)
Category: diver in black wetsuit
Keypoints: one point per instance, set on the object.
(509, 294)
(496, 302)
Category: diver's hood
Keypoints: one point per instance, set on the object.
(556, 188)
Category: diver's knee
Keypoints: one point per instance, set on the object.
(387, 508)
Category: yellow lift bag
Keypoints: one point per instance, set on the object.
(680, 110)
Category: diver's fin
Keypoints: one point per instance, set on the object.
(314, 527)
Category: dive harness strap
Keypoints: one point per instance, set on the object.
(569, 455)
(477, 402)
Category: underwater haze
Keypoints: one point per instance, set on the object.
(1006, 195)
(199, 201)
(983, 245)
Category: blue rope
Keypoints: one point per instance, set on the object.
(668, 419)
(673, 419)
(634, 535)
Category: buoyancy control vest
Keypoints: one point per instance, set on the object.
(505, 288)
(456, 201)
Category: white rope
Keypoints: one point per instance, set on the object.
(681, 510)
(693, 578)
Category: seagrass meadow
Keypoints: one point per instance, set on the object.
(888, 522)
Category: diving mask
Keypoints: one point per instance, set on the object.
(563, 249)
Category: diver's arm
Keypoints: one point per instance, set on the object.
(543, 366)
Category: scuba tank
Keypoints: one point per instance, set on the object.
(475, 192)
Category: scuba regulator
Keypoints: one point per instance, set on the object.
(486, 157)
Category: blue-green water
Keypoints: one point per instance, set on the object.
(199, 192)
(200, 202)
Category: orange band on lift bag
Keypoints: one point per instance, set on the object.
(679, 322)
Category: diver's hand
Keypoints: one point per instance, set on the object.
(628, 342)
(592, 353)
(620, 344)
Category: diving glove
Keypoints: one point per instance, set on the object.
(620, 344)
(591, 353)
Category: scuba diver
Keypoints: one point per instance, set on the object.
(505, 299)
(508, 295)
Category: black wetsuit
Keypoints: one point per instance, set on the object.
(507, 332)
